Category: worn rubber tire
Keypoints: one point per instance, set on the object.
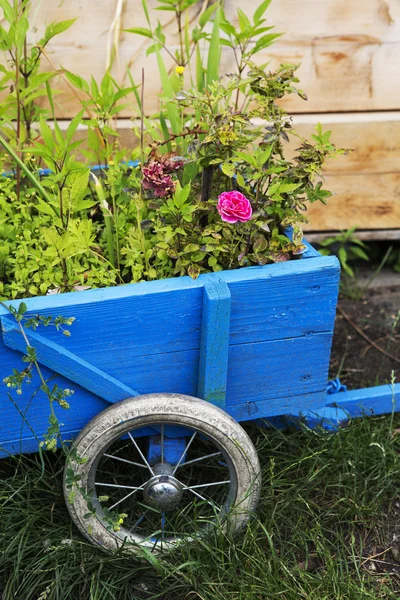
(168, 408)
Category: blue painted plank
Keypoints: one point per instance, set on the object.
(214, 347)
(378, 400)
(271, 408)
(66, 363)
(263, 308)
(176, 283)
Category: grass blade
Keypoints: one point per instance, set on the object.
(214, 51)
(172, 110)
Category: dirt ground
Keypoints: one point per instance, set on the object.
(354, 359)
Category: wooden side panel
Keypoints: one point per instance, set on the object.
(347, 50)
(146, 337)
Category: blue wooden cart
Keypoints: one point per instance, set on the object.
(253, 343)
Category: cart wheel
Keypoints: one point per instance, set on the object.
(177, 494)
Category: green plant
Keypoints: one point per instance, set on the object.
(22, 74)
(215, 140)
(347, 247)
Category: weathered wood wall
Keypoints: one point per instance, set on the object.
(350, 69)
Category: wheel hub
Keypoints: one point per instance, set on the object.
(163, 491)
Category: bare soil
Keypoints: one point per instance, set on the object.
(356, 361)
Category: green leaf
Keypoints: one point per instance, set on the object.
(260, 11)
(45, 209)
(199, 70)
(140, 31)
(46, 134)
(228, 169)
(205, 17)
(214, 51)
(21, 31)
(80, 187)
(172, 110)
(191, 248)
(73, 126)
(55, 28)
(359, 252)
(194, 271)
(264, 156)
(244, 22)
(7, 9)
(146, 12)
(286, 188)
(247, 158)
(77, 81)
(264, 42)
(22, 308)
(260, 245)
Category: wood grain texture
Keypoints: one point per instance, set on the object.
(366, 402)
(147, 337)
(65, 363)
(214, 342)
(366, 182)
(347, 50)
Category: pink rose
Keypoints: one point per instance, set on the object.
(234, 207)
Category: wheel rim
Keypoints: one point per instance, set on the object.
(164, 502)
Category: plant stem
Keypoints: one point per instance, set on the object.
(206, 182)
(142, 122)
(17, 93)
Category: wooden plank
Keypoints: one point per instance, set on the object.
(33, 407)
(292, 298)
(260, 411)
(214, 345)
(347, 50)
(371, 235)
(66, 363)
(367, 402)
(366, 183)
(364, 201)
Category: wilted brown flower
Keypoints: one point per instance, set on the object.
(156, 174)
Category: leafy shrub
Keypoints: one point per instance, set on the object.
(217, 141)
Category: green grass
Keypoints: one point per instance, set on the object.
(323, 511)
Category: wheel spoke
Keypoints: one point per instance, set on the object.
(162, 528)
(129, 462)
(202, 485)
(141, 453)
(203, 498)
(140, 519)
(195, 460)
(117, 485)
(126, 497)
(184, 452)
